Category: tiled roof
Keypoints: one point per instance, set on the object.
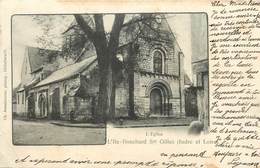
(38, 57)
(67, 71)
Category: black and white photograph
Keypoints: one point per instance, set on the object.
(74, 75)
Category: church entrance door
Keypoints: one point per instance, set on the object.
(156, 102)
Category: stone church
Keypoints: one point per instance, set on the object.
(150, 78)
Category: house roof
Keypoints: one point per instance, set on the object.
(38, 57)
(67, 71)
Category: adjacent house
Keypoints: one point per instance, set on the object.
(150, 78)
(198, 94)
(201, 85)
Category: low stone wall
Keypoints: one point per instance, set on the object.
(77, 109)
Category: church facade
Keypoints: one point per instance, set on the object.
(150, 77)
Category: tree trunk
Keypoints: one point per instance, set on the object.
(105, 89)
(106, 52)
(113, 96)
(112, 48)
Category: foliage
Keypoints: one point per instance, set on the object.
(51, 25)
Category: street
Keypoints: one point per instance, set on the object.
(44, 133)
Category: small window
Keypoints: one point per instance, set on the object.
(158, 61)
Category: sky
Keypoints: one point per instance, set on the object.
(25, 29)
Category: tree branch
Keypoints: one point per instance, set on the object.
(115, 32)
(132, 22)
(84, 26)
(100, 33)
(142, 18)
(153, 29)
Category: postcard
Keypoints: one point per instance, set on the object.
(130, 84)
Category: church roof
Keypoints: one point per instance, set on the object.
(39, 57)
(67, 71)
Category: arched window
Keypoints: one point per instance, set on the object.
(158, 61)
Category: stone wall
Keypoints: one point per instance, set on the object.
(142, 98)
(176, 110)
(144, 58)
(173, 73)
(122, 100)
(83, 107)
(201, 78)
(48, 90)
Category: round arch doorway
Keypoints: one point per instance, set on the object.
(156, 102)
(42, 105)
(159, 93)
